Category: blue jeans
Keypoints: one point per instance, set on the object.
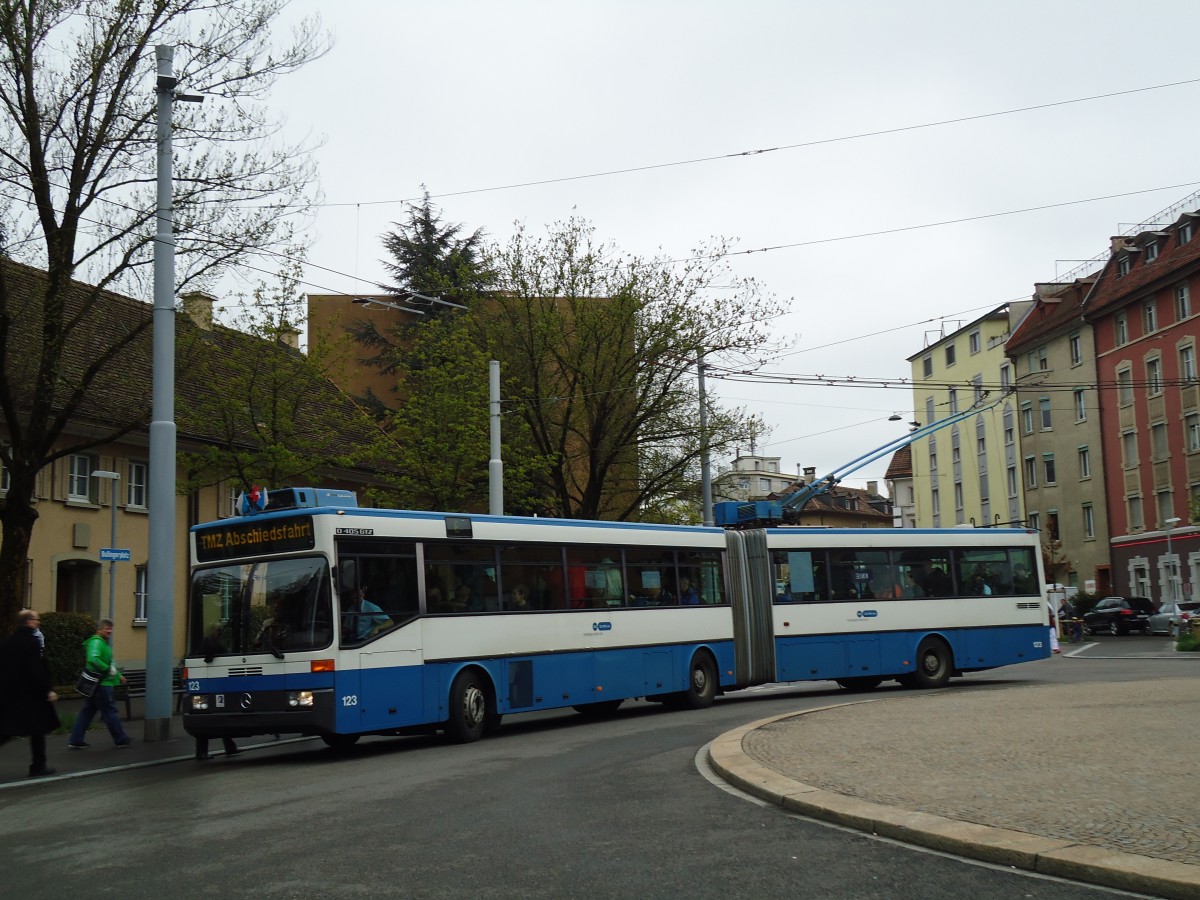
(100, 702)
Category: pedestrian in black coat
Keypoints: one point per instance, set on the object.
(26, 700)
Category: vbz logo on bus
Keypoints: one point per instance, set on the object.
(602, 626)
(868, 613)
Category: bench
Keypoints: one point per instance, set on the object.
(135, 688)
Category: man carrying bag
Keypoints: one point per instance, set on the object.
(99, 662)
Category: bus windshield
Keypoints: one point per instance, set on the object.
(271, 606)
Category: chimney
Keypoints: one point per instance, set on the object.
(1119, 242)
(199, 308)
(872, 487)
(290, 335)
(810, 474)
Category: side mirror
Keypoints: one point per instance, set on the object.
(347, 576)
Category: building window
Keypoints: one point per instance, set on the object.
(1080, 405)
(977, 383)
(1136, 520)
(1191, 428)
(1030, 472)
(135, 496)
(1005, 377)
(1121, 330)
(927, 366)
(1123, 266)
(1158, 441)
(1129, 449)
(980, 446)
(1008, 436)
(1124, 386)
(953, 400)
(1012, 481)
(1044, 406)
(764, 485)
(79, 480)
(1187, 364)
(1027, 418)
(139, 595)
(937, 501)
(955, 455)
(1154, 376)
(1165, 500)
(932, 461)
(1089, 521)
(1183, 302)
(976, 345)
(1035, 521)
(1085, 463)
(1076, 347)
(958, 495)
(1151, 252)
(1150, 316)
(1048, 465)
(949, 354)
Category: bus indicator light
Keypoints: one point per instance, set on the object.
(321, 665)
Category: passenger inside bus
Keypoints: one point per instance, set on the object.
(687, 594)
(519, 600)
(912, 586)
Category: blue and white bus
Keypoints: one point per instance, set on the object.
(324, 618)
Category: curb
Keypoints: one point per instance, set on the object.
(1034, 853)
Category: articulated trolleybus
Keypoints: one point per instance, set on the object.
(318, 617)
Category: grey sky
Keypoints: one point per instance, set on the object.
(462, 96)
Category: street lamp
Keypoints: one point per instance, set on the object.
(115, 478)
(1170, 523)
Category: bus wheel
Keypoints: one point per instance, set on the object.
(340, 741)
(702, 683)
(860, 684)
(468, 707)
(598, 710)
(934, 663)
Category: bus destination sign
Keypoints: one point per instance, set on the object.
(254, 538)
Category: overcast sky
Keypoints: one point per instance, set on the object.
(467, 96)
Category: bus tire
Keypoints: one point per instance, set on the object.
(470, 707)
(702, 683)
(599, 709)
(340, 741)
(935, 663)
(860, 684)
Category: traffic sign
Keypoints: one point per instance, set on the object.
(111, 554)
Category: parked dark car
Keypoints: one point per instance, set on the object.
(1119, 615)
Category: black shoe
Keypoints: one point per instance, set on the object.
(203, 756)
(125, 743)
(38, 773)
(82, 746)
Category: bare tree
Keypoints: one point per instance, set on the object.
(599, 350)
(77, 173)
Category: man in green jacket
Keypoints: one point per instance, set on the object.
(99, 661)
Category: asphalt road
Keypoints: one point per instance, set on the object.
(555, 806)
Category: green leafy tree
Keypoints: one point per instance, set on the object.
(77, 144)
(600, 350)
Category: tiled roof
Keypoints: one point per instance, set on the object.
(901, 464)
(1112, 290)
(1055, 306)
(122, 391)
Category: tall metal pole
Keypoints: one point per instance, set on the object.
(495, 464)
(160, 603)
(705, 472)
(112, 563)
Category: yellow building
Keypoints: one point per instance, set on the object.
(95, 483)
(968, 473)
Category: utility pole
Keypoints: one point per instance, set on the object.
(705, 471)
(495, 464)
(160, 577)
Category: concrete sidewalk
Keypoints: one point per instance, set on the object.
(1093, 782)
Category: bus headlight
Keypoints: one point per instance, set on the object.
(199, 703)
(300, 699)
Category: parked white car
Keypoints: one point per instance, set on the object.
(1171, 617)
